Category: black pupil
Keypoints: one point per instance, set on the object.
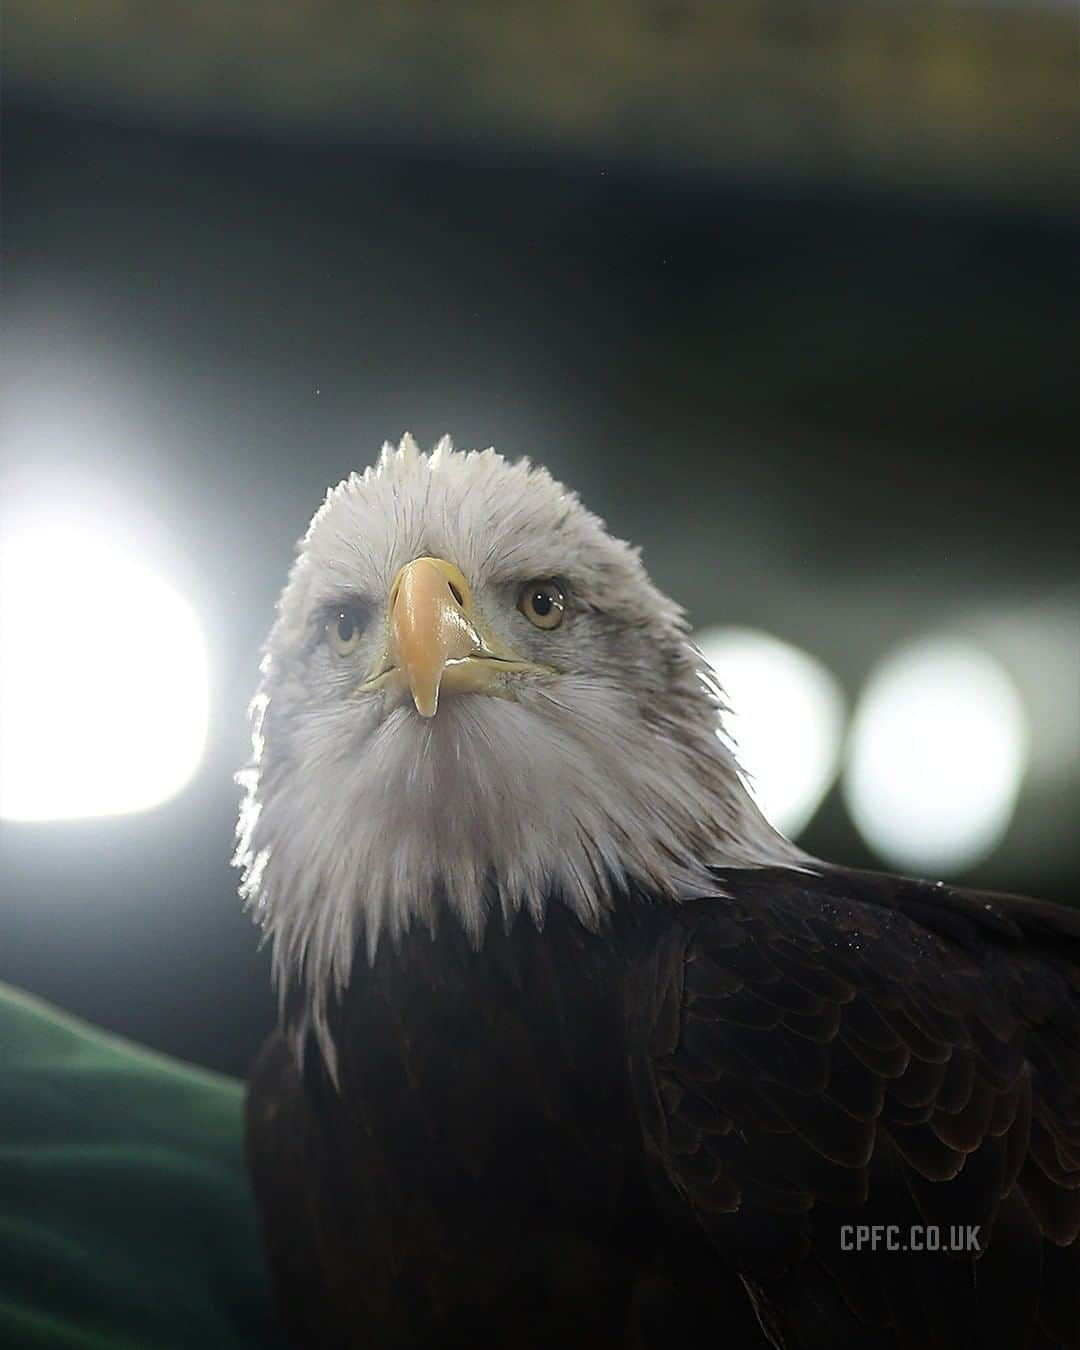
(542, 603)
(346, 626)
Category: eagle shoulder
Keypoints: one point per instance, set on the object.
(820, 1054)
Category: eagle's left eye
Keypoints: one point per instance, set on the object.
(542, 603)
(344, 629)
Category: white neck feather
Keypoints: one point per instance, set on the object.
(557, 797)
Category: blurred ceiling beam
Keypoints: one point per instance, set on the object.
(976, 99)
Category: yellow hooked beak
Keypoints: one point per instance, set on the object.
(435, 641)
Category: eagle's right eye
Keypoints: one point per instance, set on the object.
(344, 629)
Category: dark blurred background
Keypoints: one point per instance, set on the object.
(788, 292)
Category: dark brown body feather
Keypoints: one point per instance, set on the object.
(662, 1131)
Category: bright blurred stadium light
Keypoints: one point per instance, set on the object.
(937, 755)
(103, 678)
(786, 720)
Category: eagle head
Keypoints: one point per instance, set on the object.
(474, 699)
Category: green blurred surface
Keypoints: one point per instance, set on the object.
(125, 1213)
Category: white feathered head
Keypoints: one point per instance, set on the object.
(474, 698)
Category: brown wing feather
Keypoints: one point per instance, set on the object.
(852, 1049)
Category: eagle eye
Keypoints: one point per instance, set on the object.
(542, 603)
(344, 629)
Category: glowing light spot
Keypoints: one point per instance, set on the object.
(786, 720)
(937, 756)
(103, 679)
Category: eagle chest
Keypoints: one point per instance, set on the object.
(482, 1134)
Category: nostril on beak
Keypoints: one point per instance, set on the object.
(456, 594)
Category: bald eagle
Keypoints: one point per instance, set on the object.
(575, 1049)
